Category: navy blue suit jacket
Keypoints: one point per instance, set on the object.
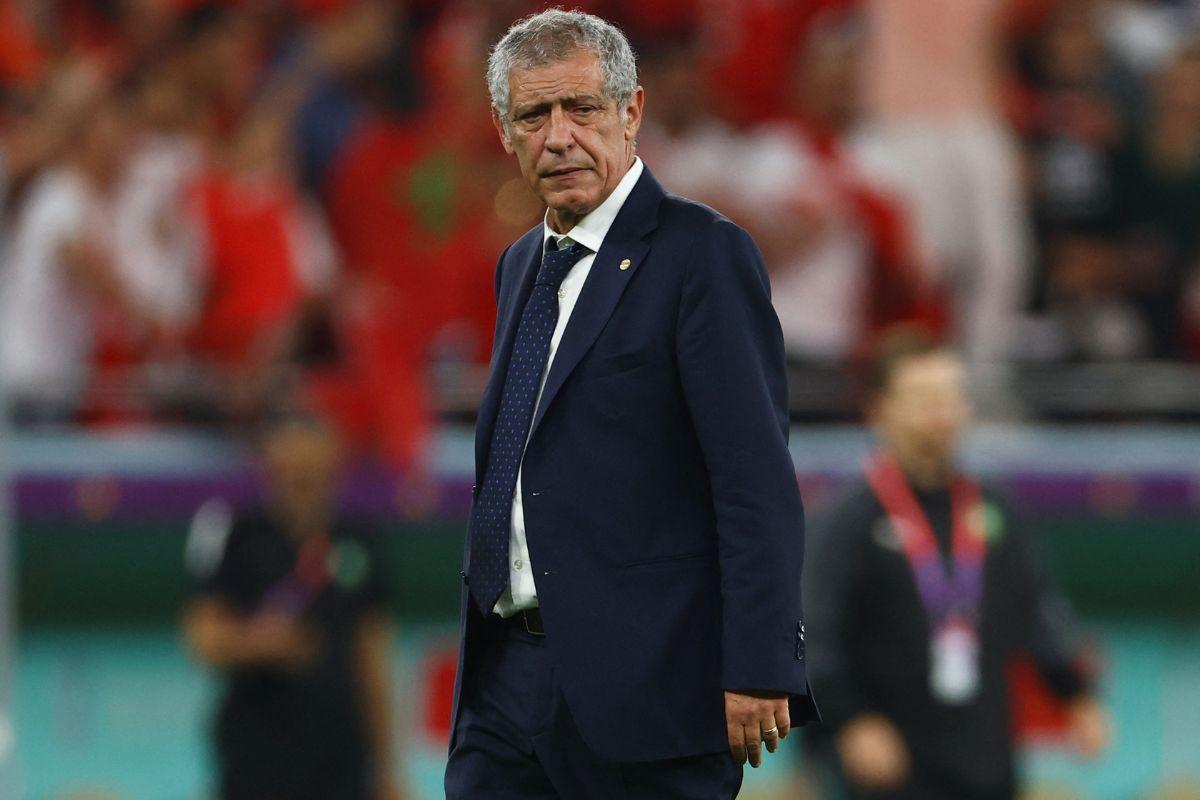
(662, 513)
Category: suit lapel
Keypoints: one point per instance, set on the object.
(610, 274)
(522, 261)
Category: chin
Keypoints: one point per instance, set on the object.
(575, 201)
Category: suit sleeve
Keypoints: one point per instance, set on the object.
(731, 364)
(1046, 619)
(833, 579)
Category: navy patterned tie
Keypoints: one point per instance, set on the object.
(492, 519)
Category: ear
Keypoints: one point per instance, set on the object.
(633, 114)
(504, 139)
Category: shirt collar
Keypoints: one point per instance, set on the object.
(591, 230)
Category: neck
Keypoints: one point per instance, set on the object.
(926, 472)
(562, 220)
(303, 525)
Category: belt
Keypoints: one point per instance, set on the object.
(529, 620)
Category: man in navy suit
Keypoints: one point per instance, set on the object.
(632, 625)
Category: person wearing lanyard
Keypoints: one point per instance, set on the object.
(291, 610)
(920, 586)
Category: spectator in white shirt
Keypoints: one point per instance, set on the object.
(59, 271)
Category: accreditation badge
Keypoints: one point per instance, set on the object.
(954, 661)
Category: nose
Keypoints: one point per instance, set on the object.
(560, 134)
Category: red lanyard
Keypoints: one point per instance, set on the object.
(295, 591)
(945, 589)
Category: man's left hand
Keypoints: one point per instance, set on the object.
(754, 719)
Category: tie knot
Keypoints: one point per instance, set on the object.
(557, 263)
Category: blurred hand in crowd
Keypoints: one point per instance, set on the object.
(873, 753)
(39, 136)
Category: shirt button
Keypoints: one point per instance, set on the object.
(518, 563)
(562, 293)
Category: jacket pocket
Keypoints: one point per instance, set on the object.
(680, 559)
(614, 366)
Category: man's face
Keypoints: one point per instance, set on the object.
(571, 139)
(924, 407)
(301, 465)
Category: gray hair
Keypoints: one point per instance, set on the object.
(555, 35)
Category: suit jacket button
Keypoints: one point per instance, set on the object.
(463, 575)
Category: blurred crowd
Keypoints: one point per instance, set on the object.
(212, 205)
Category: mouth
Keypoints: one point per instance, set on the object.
(562, 172)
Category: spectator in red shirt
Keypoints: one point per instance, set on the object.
(421, 280)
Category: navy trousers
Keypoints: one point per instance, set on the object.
(515, 737)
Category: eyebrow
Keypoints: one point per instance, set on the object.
(568, 102)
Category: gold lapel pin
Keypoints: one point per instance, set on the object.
(625, 264)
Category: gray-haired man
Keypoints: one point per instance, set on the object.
(631, 607)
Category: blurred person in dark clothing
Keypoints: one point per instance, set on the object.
(1158, 183)
(290, 608)
(1080, 100)
(921, 586)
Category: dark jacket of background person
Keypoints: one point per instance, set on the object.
(870, 642)
(663, 513)
(297, 731)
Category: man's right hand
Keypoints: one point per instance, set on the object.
(282, 640)
(873, 753)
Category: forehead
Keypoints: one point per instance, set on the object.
(932, 371)
(575, 76)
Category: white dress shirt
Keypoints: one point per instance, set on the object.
(589, 232)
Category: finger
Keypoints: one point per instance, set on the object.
(753, 747)
(770, 737)
(783, 719)
(737, 742)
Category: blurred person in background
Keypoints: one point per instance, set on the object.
(933, 70)
(920, 587)
(419, 290)
(157, 231)
(269, 256)
(842, 250)
(43, 108)
(60, 278)
(1080, 102)
(1158, 183)
(694, 151)
(290, 608)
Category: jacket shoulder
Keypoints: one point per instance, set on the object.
(532, 238)
(695, 216)
(515, 253)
